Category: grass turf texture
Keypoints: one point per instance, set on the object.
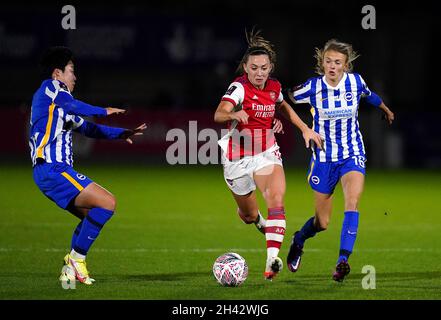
(173, 222)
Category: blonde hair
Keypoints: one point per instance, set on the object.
(335, 45)
(257, 45)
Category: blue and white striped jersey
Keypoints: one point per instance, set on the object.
(335, 114)
(55, 113)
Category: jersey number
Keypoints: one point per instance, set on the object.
(359, 161)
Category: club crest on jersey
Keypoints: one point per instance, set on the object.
(273, 95)
(349, 96)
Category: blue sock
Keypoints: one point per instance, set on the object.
(92, 225)
(348, 235)
(75, 234)
(308, 231)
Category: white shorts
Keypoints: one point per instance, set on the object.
(239, 174)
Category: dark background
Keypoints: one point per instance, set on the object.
(175, 60)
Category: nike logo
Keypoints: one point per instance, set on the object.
(90, 238)
(297, 264)
(323, 99)
(352, 232)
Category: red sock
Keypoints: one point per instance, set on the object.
(275, 230)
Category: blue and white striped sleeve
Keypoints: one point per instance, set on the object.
(94, 130)
(61, 96)
(370, 96)
(303, 93)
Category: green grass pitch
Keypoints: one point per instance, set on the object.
(173, 222)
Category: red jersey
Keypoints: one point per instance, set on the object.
(260, 105)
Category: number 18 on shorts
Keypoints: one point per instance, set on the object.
(324, 176)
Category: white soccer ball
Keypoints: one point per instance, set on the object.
(230, 269)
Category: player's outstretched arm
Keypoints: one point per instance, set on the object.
(375, 100)
(111, 110)
(307, 133)
(80, 108)
(389, 115)
(76, 107)
(99, 131)
(128, 133)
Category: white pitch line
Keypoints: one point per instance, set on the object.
(184, 250)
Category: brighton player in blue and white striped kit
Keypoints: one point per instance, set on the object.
(55, 115)
(334, 98)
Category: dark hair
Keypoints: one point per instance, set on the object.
(55, 58)
(257, 45)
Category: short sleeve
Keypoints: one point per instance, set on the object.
(280, 98)
(54, 87)
(370, 96)
(303, 92)
(235, 94)
(364, 88)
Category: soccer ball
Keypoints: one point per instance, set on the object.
(230, 269)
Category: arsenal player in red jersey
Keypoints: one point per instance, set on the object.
(251, 156)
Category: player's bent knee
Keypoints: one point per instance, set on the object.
(110, 203)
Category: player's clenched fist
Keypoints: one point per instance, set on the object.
(240, 116)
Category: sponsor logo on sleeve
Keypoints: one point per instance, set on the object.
(230, 90)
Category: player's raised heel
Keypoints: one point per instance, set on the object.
(80, 270)
(294, 255)
(273, 267)
(341, 271)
